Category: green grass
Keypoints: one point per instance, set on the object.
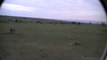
(51, 42)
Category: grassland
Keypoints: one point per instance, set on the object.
(33, 41)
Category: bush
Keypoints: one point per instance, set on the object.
(38, 22)
(78, 23)
(103, 24)
(74, 22)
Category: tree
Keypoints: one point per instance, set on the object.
(78, 23)
(103, 24)
(90, 23)
(73, 22)
(16, 21)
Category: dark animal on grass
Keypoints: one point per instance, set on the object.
(12, 30)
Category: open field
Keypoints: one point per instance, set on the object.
(33, 41)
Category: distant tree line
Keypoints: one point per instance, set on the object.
(40, 21)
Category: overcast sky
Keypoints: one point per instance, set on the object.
(87, 10)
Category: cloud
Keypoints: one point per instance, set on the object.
(16, 7)
(58, 9)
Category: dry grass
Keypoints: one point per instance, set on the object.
(51, 42)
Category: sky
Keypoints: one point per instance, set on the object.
(77, 10)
